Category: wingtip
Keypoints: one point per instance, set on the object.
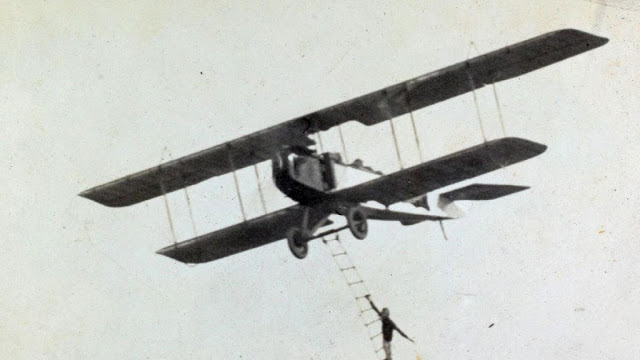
(535, 147)
(592, 40)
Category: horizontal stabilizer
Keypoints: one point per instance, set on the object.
(403, 217)
(482, 192)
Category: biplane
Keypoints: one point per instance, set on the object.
(307, 176)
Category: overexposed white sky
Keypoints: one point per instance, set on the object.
(92, 91)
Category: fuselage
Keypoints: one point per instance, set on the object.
(306, 178)
(309, 178)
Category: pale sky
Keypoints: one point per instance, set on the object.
(90, 92)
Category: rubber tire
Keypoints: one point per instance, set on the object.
(357, 221)
(298, 245)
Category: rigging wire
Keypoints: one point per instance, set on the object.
(477, 106)
(264, 204)
(495, 96)
(415, 135)
(320, 145)
(193, 223)
(395, 142)
(166, 206)
(472, 45)
(235, 180)
(344, 147)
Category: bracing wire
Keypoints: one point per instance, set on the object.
(235, 180)
(395, 142)
(264, 204)
(166, 206)
(193, 223)
(320, 144)
(415, 135)
(344, 146)
(500, 117)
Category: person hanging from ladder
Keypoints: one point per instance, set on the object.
(387, 328)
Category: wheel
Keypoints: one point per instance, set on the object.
(357, 221)
(297, 243)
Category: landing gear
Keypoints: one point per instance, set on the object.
(298, 243)
(357, 222)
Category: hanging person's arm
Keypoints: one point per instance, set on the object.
(373, 306)
(396, 328)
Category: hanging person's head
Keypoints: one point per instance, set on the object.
(385, 313)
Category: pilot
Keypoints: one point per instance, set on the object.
(387, 329)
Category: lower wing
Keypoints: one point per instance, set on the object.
(237, 238)
(435, 174)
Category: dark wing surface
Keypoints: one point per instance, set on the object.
(370, 109)
(200, 166)
(237, 238)
(426, 177)
(454, 80)
(482, 192)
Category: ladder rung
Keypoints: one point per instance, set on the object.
(362, 297)
(338, 254)
(348, 268)
(355, 282)
(365, 310)
(375, 336)
(372, 322)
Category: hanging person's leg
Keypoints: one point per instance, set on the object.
(386, 345)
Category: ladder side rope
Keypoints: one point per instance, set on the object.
(166, 206)
(351, 283)
(264, 204)
(395, 142)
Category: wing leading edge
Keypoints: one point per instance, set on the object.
(435, 174)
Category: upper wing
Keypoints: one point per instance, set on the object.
(420, 179)
(454, 80)
(240, 237)
(368, 109)
(192, 169)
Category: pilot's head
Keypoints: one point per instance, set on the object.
(385, 313)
